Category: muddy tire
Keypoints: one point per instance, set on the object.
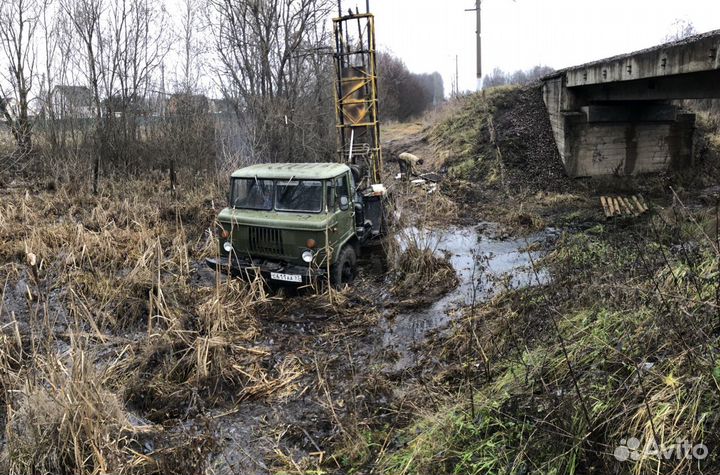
(345, 268)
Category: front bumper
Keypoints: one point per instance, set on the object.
(248, 269)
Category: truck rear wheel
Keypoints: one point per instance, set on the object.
(344, 269)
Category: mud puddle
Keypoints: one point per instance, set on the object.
(485, 267)
(341, 363)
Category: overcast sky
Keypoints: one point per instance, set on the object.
(427, 34)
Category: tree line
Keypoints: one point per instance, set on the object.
(498, 77)
(404, 94)
(125, 86)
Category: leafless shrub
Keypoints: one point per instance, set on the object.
(680, 29)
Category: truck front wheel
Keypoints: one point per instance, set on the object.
(344, 269)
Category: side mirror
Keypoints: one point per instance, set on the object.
(344, 203)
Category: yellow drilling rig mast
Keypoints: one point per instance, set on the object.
(356, 96)
(356, 109)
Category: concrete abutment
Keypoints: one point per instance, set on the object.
(616, 117)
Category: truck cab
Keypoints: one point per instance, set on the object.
(292, 222)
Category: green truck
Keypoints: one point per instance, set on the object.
(293, 223)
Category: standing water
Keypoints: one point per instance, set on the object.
(485, 266)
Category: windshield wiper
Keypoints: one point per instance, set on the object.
(287, 187)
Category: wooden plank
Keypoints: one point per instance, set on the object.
(638, 205)
(635, 209)
(618, 209)
(603, 201)
(611, 205)
(643, 203)
(626, 210)
(630, 206)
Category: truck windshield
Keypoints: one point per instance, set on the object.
(251, 193)
(299, 195)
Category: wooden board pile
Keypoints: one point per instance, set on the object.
(634, 205)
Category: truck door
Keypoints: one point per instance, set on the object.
(344, 208)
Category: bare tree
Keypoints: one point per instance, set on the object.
(188, 128)
(123, 42)
(680, 29)
(191, 50)
(18, 24)
(137, 31)
(85, 17)
(269, 53)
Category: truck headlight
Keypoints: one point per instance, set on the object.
(307, 256)
(228, 246)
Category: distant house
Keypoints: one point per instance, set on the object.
(72, 102)
(220, 106)
(119, 106)
(188, 104)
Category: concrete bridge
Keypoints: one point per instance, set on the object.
(616, 117)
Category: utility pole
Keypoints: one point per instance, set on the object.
(457, 78)
(478, 31)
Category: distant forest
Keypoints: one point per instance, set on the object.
(498, 77)
(404, 94)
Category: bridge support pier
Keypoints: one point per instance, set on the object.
(617, 138)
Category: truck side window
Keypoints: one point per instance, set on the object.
(330, 196)
(353, 186)
(337, 188)
(341, 185)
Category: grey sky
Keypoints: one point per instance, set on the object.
(427, 34)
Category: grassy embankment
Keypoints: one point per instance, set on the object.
(501, 156)
(623, 343)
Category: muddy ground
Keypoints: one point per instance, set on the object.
(368, 373)
(363, 370)
(368, 366)
(373, 372)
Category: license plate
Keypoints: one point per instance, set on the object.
(285, 277)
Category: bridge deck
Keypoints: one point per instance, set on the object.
(694, 54)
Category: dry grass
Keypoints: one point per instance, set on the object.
(417, 268)
(102, 311)
(64, 420)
